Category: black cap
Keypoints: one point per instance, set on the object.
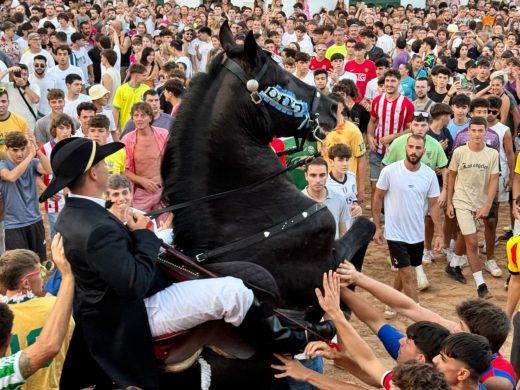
(71, 158)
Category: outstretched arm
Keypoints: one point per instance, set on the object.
(49, 342)
(401, 303)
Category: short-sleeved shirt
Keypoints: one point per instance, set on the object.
(125, 98)
(433, 156)
(116, 162)
(346, 189)
(474, 170)
(500, 368)
(492, 139)
(10, 375)
(349, 134)
(13, 122)
(517, 165)
(406, 224)
(392, 117)
(337, 206)
(455, 129)
(20, 197)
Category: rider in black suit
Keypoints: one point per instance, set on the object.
(114, 267)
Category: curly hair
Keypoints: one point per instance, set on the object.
(413, 375)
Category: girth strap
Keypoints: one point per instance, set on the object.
(261, 236)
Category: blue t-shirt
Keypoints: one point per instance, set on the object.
(20, 197)
(455, 129)
(390, 337)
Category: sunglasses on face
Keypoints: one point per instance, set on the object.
(421, 114)
(39, 65)
(494, 112)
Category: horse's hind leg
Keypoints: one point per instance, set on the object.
(353, 245)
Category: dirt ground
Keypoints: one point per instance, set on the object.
(442, 296)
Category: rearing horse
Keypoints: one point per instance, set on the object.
(220, 142)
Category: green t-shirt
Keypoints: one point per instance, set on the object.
(298, 175)
(434, 155)
(10, 376)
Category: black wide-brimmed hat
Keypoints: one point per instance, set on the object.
(71, 158)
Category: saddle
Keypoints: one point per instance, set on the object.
(178, 351)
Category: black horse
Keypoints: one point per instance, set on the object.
(220, 142)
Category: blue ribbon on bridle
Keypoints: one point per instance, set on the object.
(285, 101)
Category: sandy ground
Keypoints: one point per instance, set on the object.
(442, 296)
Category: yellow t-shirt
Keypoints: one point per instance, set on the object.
(349, 134)
(29, 318)
(517, 164)
(116, 162)
(14, 122)
(125, 98)
(336, 49)
(513, 255)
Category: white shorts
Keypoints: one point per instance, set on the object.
(185, 305)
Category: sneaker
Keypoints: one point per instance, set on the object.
(492, 267)
(389, 313)
(483, 292)
(506, 236)
(427, 256)
(422, 281)
(455, 273)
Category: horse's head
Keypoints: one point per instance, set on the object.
(289, 106)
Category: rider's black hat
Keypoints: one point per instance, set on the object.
(71, 158)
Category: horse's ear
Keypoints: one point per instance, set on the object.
(250, 48)
(226, 37)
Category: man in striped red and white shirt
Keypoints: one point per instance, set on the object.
(390, 117)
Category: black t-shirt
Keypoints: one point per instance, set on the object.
(375, 53)
(480, 85)
(95, 57)
(438, 97)
(360, 117)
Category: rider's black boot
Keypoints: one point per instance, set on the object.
(263, 328)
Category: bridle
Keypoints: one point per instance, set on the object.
(282, 100)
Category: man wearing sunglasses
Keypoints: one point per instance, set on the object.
(22, 275)
(35, 49)
(46, 82)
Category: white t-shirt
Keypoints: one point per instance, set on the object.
(69, 30)
(406, 192)
(82, 62)
(45, 83)
(308, 79)
(53, 21)
(28, 59)
(71, 105)
(60, 75)
(386, 43)
(346, 190)
(288, 38)
(501, 129)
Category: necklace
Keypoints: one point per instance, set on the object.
(17, 298)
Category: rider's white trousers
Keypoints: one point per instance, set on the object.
(185, 305)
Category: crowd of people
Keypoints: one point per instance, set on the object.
(428, 117)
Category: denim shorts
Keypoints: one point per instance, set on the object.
(375, 160)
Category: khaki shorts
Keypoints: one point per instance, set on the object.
(466, 221)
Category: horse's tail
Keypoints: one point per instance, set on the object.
(353, 245)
